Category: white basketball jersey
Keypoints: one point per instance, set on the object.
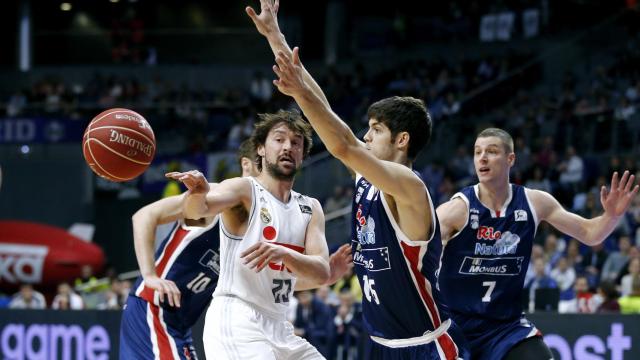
(273, 221)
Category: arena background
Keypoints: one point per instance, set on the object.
(562, 76)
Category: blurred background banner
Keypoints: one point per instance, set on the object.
(95, 335)
(40, 130)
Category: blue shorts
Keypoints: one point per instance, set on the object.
(449, 346)
(144, 334)
(492, 339)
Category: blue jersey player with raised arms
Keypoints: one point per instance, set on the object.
(488, 229)
(395, 240)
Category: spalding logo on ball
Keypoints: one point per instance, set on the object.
(118, 144)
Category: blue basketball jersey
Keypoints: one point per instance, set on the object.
(398, 276)
(188, 256)
(484, 265)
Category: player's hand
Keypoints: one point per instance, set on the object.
(194, 180)
(339, 263)
(615, 202)
(259, 255)
(290, 73)
(164, 287)
(267, 21)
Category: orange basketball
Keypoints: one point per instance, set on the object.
(118, 144)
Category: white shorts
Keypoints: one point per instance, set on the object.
(235, 330)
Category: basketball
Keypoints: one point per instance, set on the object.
(118, 144)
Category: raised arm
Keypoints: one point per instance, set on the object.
(313, 265)
(267, 24)
(202, 201)
(615, 203)
(145, 222)
(392, 178)
(452, 216)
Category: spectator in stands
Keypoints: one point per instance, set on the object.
(28, 298)
(538, 181)
(630, 304)
(571, 170)
(16, 104)
(349, 282)
(327, 296)
(609, 295)
(593, 262)
(337, 200)
(564, 275)
(540, 280)
(461, 167)
(626, 283)
(348, 326)
(584, 301)
(313, 322)
(553, 247)
(616, 260)
(260, 88)
(66, 299)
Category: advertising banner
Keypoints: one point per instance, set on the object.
(40, 130)
(89, 334)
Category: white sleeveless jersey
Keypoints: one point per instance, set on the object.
(273, 221)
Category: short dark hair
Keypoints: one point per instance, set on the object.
(507, 140)
(292, 119)
(404, 114)
(246, 150)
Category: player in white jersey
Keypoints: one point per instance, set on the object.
(271, 238)
(177, 281)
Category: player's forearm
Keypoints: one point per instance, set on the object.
(334, 133)
(313, 269)
(277, 42)
(143, 240)
(306, 284)
(599, 229)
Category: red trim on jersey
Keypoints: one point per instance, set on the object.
(412, 253)
(162, 338)
(497, 213)
(448, 346)
(297, 248)
(180, 233)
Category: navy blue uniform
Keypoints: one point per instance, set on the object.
(402, 308)
(483, 271)
(153, 330)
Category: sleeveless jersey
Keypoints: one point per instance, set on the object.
(273, 221)
(398, 276)
(189, 257)
(484, 265)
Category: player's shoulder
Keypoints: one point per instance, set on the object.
(306, 200)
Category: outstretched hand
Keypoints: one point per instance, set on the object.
(615, 202)
(340, 262)
(267, 21)
(194, 180)
(290, 73)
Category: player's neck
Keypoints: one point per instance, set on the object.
(280, 189)
(494, 195)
